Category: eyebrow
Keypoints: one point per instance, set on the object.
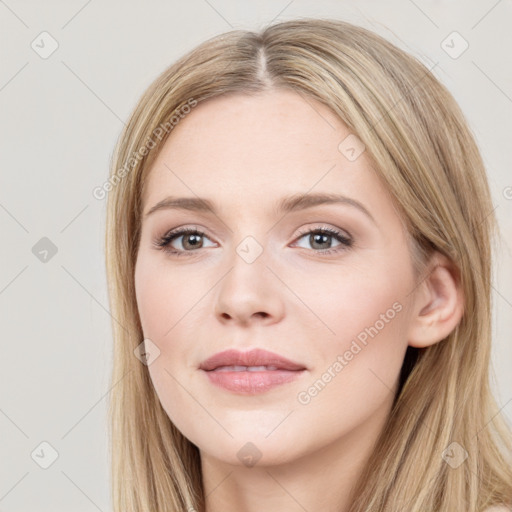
(288, 204)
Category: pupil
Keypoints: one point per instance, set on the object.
(317, 238)
(192, 236)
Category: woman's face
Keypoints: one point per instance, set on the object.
(335, 302)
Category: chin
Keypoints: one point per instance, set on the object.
(250, 452)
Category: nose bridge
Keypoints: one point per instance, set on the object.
(248, 266)
(249, 288)
(250, 249)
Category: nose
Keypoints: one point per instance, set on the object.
(249, 292)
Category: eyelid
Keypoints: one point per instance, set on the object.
(325, 227)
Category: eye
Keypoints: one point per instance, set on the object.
(191, 239)
(321, 238)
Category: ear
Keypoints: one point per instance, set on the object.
(438, 303)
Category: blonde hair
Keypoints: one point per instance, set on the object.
(421, 146)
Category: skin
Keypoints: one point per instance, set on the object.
(245, 153)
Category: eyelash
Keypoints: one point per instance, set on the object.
(163, 242)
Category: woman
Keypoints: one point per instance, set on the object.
(299, 257)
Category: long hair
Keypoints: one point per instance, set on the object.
(422, 148)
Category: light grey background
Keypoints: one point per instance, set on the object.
(60, 117)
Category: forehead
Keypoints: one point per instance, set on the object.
(253, 149)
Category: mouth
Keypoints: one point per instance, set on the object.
(253, 372)
(252, 360)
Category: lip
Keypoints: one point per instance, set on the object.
(250, 382)
(254, 357)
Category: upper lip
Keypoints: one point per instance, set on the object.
(254, 357)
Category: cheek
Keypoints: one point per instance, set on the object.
(365, 319)
(366, 301)
(356, 371)
(165, 295)
(170, 309)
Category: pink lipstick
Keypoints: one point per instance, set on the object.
(252, 372)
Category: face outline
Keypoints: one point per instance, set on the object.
(261, 149)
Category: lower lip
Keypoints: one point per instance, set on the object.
(251, 383)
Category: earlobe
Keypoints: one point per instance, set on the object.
(439, 304)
